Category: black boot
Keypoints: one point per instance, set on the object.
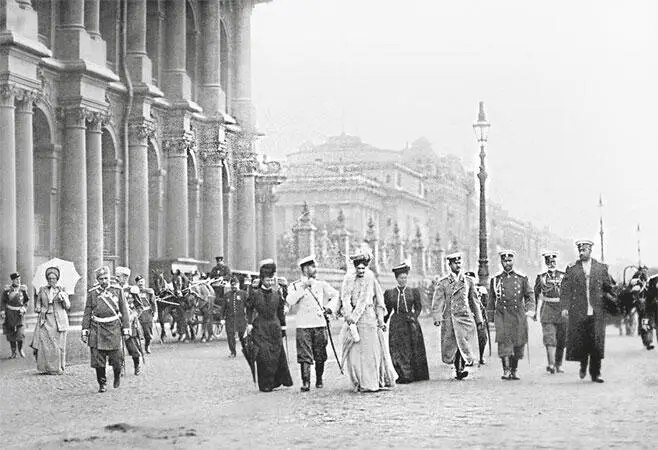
(20, 348)
(138, 369)
(514, 363)
(100, 377)
(117, 376)
(306, 377)
(506, 368)
(147, 345)
(319, 371)
(12, 344)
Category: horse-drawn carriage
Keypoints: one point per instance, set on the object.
(185, 300)
(631, 298)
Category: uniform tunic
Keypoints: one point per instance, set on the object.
(145, 309)
(14, 303)
(265, 311)
(511, 297)
(547, 288)
(403, 306)
(311, 333)
(105, 336)
(234, 316)
(455, 305)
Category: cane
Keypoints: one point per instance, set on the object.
(123, 353)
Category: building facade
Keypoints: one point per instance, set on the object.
(411, 204)
(128, 134)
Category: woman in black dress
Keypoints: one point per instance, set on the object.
(267, 325)
(405, 336)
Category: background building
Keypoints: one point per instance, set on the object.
(127, 135)
(408, 204)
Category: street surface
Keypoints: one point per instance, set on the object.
(194, 396)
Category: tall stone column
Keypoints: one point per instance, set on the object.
(418, 250)
(213, 204)
(25, 188)
(92, 13)
(246, 211)
(229, 224)
(176, 81)
(95, 245)
(177, 200)
(138, 62)
(373, 242)
(73, 216)
(138, 193)
(269, 225)
(194, 208)
(212, 98)
(398, 246)
(7, 182)
(241, 106)
(342, 237)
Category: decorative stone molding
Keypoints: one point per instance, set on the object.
(77, 116)
(246, 164)
(180, 146)
(213, 158)
(141, 129)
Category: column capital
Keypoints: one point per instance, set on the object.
(246, 164)
(179, 146)
(214, 158)
(8, 90)
(141, 129)
(26, 98)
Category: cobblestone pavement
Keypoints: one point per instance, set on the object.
(193, 395)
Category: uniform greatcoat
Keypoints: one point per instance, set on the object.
(511, 297)
(455, 305)
(14, 303)
(235, 316)
(573, 298)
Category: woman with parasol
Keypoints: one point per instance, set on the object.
(49, 340)
(266, 328)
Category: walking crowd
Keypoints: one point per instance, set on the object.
(570, 305)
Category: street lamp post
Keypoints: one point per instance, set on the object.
(481, 128)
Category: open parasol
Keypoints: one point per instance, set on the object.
(249, 352)
(68, 276)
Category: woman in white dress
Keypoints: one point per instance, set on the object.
(49, 341)
(365, 354)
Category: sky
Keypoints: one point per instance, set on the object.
(569, 88)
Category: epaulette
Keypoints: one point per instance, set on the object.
(149, 291)
(23, 287)
(7, 287)
(445, 277)
(521, 274)
(570, 265)
(94, 288)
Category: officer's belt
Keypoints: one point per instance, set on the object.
(549, 299)
(105, 319)
(14, 308)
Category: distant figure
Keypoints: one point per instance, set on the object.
(585, 284)
(234, 315)
(13, 305)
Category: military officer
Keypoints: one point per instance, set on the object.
(104, 321)
(482, 331)
(133, 342)
(511, 301)
(554, 327)
(13, 306)
(456, 310)
(146, 308)
(312, 296)
(234, 315)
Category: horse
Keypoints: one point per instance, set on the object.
(168, 304)
(200, 309)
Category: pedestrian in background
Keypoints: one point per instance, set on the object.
(234, 315)
(13, 306)
(49, 339)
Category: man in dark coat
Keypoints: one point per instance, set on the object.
(234, 315)
(582, 301)
(221, 270)
(146, 308)
(104, 321)
(13, 306)
(512, 301)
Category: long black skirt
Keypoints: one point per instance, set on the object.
(408, 348)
